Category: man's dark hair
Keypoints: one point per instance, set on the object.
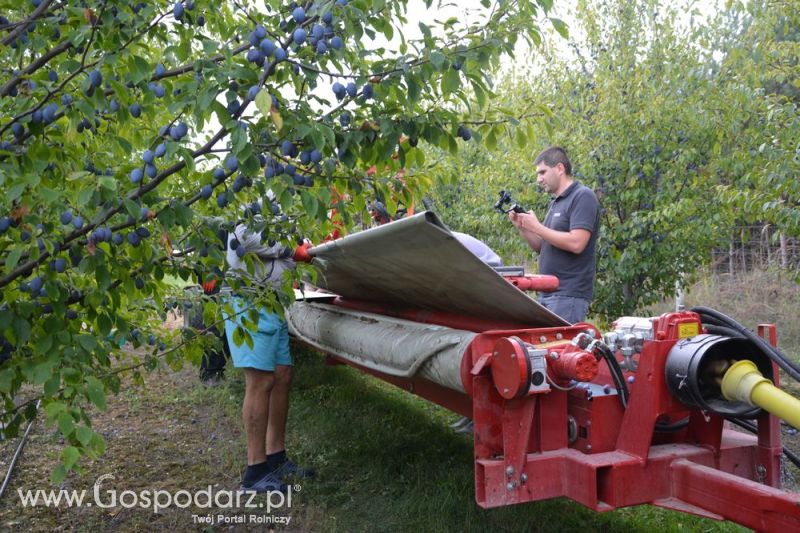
(553, 156)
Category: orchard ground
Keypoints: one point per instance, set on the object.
(386, 461)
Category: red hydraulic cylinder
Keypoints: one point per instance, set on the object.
(538, 283)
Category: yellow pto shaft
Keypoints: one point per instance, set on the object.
(743, 382)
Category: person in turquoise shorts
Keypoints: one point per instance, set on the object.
(267, 365)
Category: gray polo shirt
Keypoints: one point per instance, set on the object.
(575, 208)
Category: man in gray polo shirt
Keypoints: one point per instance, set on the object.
(567, 238)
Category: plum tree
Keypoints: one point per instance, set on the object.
(170, 100)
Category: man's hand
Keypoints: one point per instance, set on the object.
(301, 253)
(574, 241)
(208, 286)
(527, 223)
(524, 221)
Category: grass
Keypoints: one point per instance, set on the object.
(389, 462)
(386, 460)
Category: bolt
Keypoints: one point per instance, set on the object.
(510, 487)
(542, 339)
(505, 390)
(559, 336)
(553, 355)
(588, 447)
(761, 473)
(523, 478)
(588, 423)
(509, 471)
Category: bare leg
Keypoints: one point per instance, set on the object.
(255, 409)
(278, 409)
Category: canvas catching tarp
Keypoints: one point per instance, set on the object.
(417, 263)
(389, 345)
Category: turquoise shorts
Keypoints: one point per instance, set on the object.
(270, 342)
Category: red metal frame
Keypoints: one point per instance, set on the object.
(613, 457)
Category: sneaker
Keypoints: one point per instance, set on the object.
(463, 421)
(268, 483)
(290, 469)
(469, 427)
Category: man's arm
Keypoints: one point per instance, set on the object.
(252, 244)
(533, 240)
(534, 232)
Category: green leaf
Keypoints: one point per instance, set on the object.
(520, 138)
(53, 409)
(451, 81)
(6, 379)
(491, 139)
(104, 324)
(43, 343)
(15, 192)
(42, 371)
(95, 392)
(437, 59)
(560, 27)
(426, 31)
(139, 69)
(184, 215)
(413, 89)
(480, 94)
(12, 259)
(264, 103)
(97, 444)
(66, 423)
(52, 384)
(49, 195)
(87, 342)
(58, 475)
(85, 195)
(132, 208)
(70, 456)
(108, 183)
(22, 330)
(84, 435)
(310, 203)
(238, 336)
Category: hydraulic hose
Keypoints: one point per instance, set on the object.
(616, 373)
(770, 351)
(17, 453)
(749, 426)
(671, 428)
(721, 330)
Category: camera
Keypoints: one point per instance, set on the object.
(507, 200)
